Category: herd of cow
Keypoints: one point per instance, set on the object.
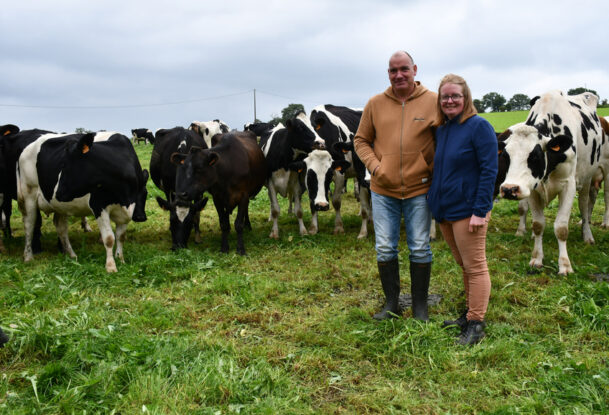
(560, 150)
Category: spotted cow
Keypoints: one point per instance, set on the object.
(208, 129)
(555, 153)
(78, 175)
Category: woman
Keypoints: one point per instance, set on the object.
(461, 195)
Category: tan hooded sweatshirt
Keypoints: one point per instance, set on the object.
(397, 138)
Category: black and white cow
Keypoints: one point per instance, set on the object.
(259, 128)
(337, 126)
(73, 175)
(6, 131)
(319, 168)
(207, 129)
(556, 152)
(142, 134)
(13, 144)
(281, 147)
(233, 172)
(182, 216)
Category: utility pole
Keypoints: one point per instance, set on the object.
(255, 105)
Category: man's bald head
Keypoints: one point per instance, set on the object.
(402, 53)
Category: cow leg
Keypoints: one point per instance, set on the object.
(240, 224)
(538, 225)
(523, 208)
(605, 224)
(85, 225)
(7, 210)
(105, 229)
(339, 189)
(223, 217)
(197, 224)
(561, 226)
(61, 226)
(584, 210)
(37, 235)
(121, 232)
(275, 210)
(313, 229)
(29, 211)
(366, 211)
(296, 196)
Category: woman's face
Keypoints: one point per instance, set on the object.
(451, 100)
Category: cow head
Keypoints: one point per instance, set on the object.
(319, 170)
(530, 157)
(196, 172)
(301, 134)
(182, 217)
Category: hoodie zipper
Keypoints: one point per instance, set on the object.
(402, 152)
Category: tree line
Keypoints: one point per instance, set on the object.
(495, 102)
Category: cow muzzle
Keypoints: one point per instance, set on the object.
(511, 192)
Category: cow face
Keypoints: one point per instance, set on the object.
(319, 168)
(181, 219)
(196, 172)
(301, 134)
(530, 157)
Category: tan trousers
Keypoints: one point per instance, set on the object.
(469, 250)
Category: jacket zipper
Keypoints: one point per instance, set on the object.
(401, 152)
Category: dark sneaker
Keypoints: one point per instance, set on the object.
(473, 333)
(460, 322)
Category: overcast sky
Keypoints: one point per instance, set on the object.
(118, 65)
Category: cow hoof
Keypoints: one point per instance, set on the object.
(274, 235)
(313, 231)
(339, 231)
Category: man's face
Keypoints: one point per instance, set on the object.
(401, 74)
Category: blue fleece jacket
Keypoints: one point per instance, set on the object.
(465, 169)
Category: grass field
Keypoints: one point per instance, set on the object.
(288, 328)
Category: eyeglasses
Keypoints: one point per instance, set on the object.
(455, 97)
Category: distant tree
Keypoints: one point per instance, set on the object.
(275, 119)
(519, 102)
(581, 90)
(604, 103)
(479, 106)
(81, 130)
(291, 111)
(494, 101)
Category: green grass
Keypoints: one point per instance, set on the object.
(288, 328)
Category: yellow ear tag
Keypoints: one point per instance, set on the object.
(7, 132)
(345, 151)
(338, 168)
(318, 127)
(85, 149)
(555, 148)
(299, 170)
(181, 161)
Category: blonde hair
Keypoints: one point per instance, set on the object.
(468, 103)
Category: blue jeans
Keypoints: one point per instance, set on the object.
(387, 214)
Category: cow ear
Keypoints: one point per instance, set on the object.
(319, 123)
(213, 158)
(298, 166)
(85, 143)
(198, 206)
(163, 204)
(559, 144)
(194, 127)
(178, 158)
(500, 147)
(340, 165)
(344, 146)
(8, 129)
(533, 100)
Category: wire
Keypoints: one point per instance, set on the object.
(126, 106)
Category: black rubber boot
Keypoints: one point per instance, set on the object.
(473, 333)
(460, 322)
(3, 338)
(390, 279)
(419, 288)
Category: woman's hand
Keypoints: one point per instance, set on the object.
(476, 222)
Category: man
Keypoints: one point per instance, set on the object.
(395, 142)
